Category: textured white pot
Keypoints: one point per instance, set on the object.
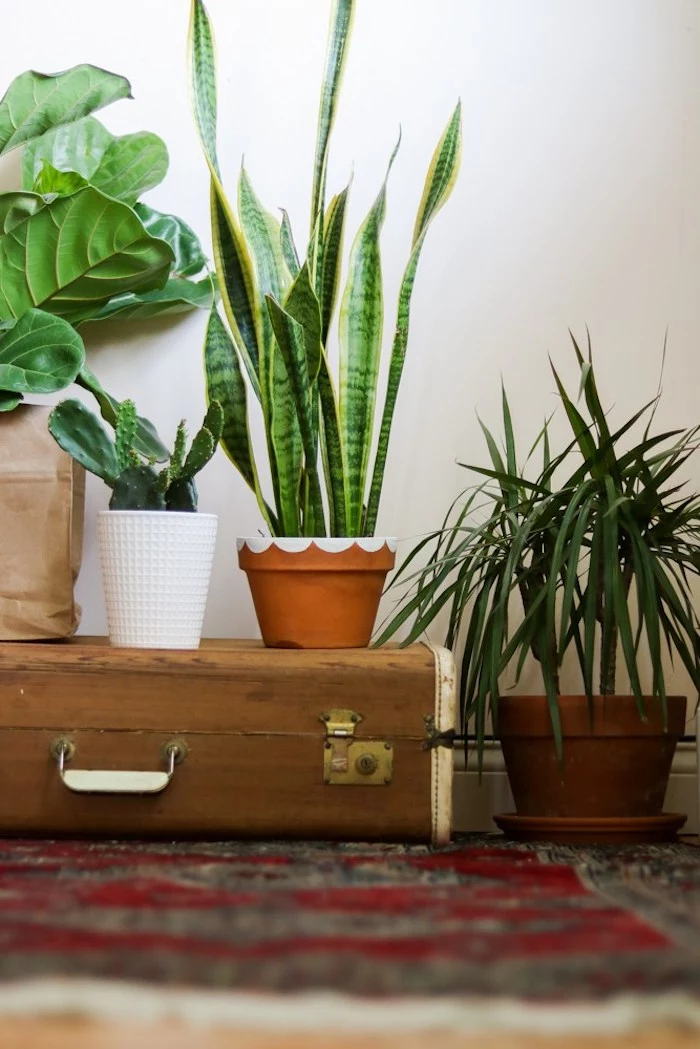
(155, 570)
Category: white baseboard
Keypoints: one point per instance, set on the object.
(475, 803)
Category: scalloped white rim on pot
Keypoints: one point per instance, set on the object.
(258, 544)
(156, 566)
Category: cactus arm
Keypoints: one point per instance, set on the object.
(81, 435)
(214, 421)
(178, 457)
(125, 433)
(202, 449)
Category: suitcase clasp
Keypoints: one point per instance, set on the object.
(352, 762)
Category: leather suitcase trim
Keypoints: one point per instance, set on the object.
(441, 758)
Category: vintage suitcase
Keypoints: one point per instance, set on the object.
(233, 740)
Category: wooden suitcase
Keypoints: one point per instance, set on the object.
(233, 740)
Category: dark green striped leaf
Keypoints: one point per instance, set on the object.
(440, 179)
(361, 329)
(336, 52)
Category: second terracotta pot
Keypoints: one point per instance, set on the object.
(316, 593)
(614, 766)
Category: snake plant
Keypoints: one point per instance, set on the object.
(76, 244)
(601, 556)
(325, 466)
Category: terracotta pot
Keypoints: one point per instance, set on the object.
(316, 593)
(616, 767)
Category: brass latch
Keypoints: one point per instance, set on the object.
(363, 763)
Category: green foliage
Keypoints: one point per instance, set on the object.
(279, 309)
(135, 484)
(601, 561)
(75, 244)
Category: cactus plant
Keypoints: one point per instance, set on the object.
(135, 483)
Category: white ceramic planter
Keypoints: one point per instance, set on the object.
(156, 567)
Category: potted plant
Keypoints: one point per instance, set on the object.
(155, 564)
(317, 576)
(77, 245)
(599, 549)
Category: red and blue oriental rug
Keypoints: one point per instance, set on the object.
(480, 922)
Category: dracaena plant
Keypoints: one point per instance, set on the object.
(600, 549)
(325, 468)
(76, 244)
(135, 482)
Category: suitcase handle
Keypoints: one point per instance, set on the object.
(117, 781)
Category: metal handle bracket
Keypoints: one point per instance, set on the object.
(115, 781)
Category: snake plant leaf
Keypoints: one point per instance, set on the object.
(77, 147)
(234, 267)
(147, 442)
(39, 354)
(80, 433)
(336, 53)
(50, 181)
(225, 384)
(263, 236)
(81, 249)
(329, 276)
(285, 447)
(289, 251)
(37, 102)
(190, 259)
(178, 295)
(291, 338)
(131, 165)
(439, 182)
(360, 330)
(9, 401)
(303, 307)
(202, 61)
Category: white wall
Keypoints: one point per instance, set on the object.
(578, 202)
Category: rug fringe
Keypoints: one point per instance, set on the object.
(135, 1003)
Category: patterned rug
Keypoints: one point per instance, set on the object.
(477, 920)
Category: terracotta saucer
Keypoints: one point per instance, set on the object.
(591, 831)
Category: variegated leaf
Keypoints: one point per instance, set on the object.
(331, 264)
(336, 51)
(360, 329)
(440, 179)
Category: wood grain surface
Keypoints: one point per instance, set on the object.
(225, 686)
(227, 786)
(251, 721)
(75, 1034)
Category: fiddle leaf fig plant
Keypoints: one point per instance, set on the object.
(76, 243)
(325, 467)
(135, 483)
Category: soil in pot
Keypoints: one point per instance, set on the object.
(612, 781)
(316, 593)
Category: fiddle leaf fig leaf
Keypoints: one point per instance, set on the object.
(39, 354)
(131, 165)
(78, 250)
(189, 257)
(77, 147)
(52, 182)
(37, 102)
